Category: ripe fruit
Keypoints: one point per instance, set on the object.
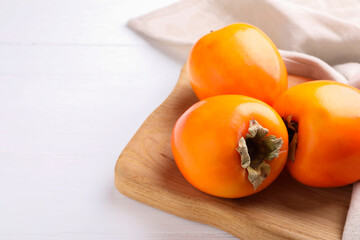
(220, 147)
(237, 59)
(323, 118)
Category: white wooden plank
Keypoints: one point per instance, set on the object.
(75, 84)
(71, 21)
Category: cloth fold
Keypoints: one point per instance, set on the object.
(322, 44)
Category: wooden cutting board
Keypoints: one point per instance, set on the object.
(146, 172)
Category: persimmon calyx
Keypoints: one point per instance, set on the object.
(292, 128)
(257, 148)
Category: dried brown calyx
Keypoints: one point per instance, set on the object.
(292, 128)
(257, 148)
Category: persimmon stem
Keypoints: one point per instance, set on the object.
(255, 149)
(292, 128)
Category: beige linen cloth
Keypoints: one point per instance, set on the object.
(318, 39)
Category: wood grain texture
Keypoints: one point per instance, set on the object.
(146, 172)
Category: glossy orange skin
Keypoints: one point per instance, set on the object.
(328, 149)
(205, 138)
(237, 59)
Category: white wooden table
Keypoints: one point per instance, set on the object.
(75, 85)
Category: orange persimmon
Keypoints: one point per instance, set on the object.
(237, 59)
(323, 118)
(230, 145)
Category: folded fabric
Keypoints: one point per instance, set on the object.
(320, 44)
